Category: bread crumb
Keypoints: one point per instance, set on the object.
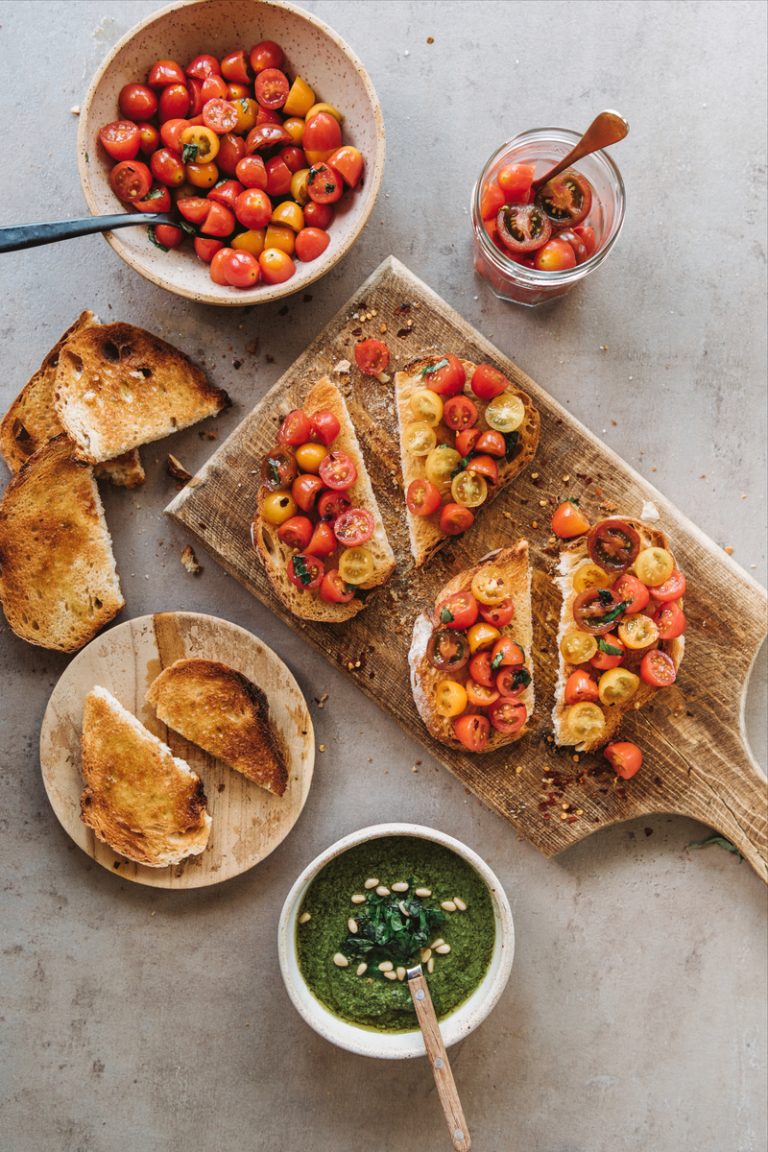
(189, 560)
(729, 549)
(321, 747)
(75, 110)
(175, 468)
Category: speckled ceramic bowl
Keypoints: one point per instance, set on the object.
(396, 1045)
(313, 50)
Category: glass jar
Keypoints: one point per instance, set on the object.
(544, 147)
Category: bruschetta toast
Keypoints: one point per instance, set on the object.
(318, 528)
(470, 657)
(621, 628)
(466, 431)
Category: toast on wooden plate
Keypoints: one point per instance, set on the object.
(303, 596)
(32, 420)
(118, 386)
(449, 685)
(58, 582)
(588, 713)
(421, 452)
(225, 714)
(140, 799)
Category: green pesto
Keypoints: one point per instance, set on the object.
(370, 1000)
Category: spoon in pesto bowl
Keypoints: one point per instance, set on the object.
(438, 1059)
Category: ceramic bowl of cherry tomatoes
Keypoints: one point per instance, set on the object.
(254, 127)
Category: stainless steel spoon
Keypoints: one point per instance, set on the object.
(606, 128)
(32, 235)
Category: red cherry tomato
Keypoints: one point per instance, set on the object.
(472, 731)
(324, 186)
(206, 248)
(279, 470)
(276, 266)
(372, 357)
(305, 571)
(296, 532)
(194, 209)
(220, 116)
(296, 428)
(333, 589)
(322, 133)
(241, 269)
(130, 180)
(568, 521)
(196, 100)
(566, 199)
(657, 668)
(354, 527)
(265, 136)
(515, 182)
(174, 102)
(218, 262)
(445, 376)
(488, 382)
(466, 440)
(628, 587)
(484, 466)
(506, 653)
(278, 177)
(587, 235)
(613, 545)
(337, 471)
(234, 67)
(311, 243)
(214, 87)
(480, 669)
(167, 167)
(331, 505)
(304, 491)
(219, 221)
(323, 542)
(492, 198)
(272, 88)
(170, 133)
(266, 116)
(625, 758)
(581, 687)
(479, 696)
(610, 652)
(423, 497)
(137, 102)
(671, 589)
(150, 137)
(457, 611)
(670, 620)
(597, 610)
(238, 92)
(523, 227)
(459, 413)
(555, 256)
(164, 73)
(491, 443)
(293, 158)
(266, 54)
(507, 717)
(318, 215)
(250, 171)
(325, 427)
(499, 615)
(226, 192)
(455, 519)
(121, 139)
(158, 199)
(202, 66)
(231, 152)
(253, 208)
(168, 236)
(511, 683)
(348, 161)
(579, 247)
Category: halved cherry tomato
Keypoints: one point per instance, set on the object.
(372, 357)
(356, 565)
(130, 180)
(337, 471)
(597, 610)
(480, 669)
(296, 428)
(137, 102)
(568, 520)
(321, 138)
(671, 589)
(486, 467)
(610, 652)
(324, 186)
(251, 172)
(158, 199)
(469, 489)
(447, 651)
(267, 116)
(354, 527)
(278, 469)
(581, 686)
(277, 507)
(657, 668)
(174, 101)
(168, 236)
(220, 116)
(202, 66)
(587, 235)
(296, 532)
(253, 208)
(617, 686)
(194, 208)
(482, 636)
(488, 382)
(638, 632)
(523, 227)
(311, 243)
(305, 490)
(654, 566)
(491, 443)
(492, 198)
(445, 376)
(279, 177)
(589, 575)
(219, 221)
(231, 152)
(305, 572)
(121, 139)
(272, 88)
(331, 505)
(499, 615)
(472, 731)
(419, 439)
(206, 248)
(226, 192)
(265, 136)
(479, 696)
(348, 161)
(325, 427)
(466, 440)
(507, 653)
(423, 497)
(628, 587)
(613, 545)
(507, 717)
(670, 620)
(266, 54)
(511, 683)
(219, 263)
(164, 73)
(490, 585)
(624, 757)
(578, 647)
(555, 256)
(570, 236)
(566, 199)
(460, 413)
(196, 101)
(450, 698)
(170, 133)
(455, 519)
(323, 542)
(235, 67)
(167, 167)
(318, 215)
(333, 589)
(457, 611)
(276, 266)
(515, 182)
(214, 87)
(199, 144)
(202, 175)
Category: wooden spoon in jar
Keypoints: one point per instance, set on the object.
(438, 1059)
(606, 128)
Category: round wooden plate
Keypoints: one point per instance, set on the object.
(248, 823)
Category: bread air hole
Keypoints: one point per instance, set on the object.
(110, 351)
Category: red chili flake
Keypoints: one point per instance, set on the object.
(357, 331)
(402, 308)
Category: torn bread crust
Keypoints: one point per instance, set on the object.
(571, 557)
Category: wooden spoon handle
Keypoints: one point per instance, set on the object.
(438, 1059)
(20, 236)
(606, 128)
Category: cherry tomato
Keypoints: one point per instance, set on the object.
(206, 248)
(121, 139)
(580, 686)
(219, 264)
(214, 87)
(253, 208)
(231, 152)
(597, 610)
(671, 589)
(555, 256)
(337, 471)
(163, 73)
(354, 527)
(170, 133)
(670, 620)
(272, 88)
(491, 444)
(455, 519)
(445, 376)
(348, 161)
(149, 138)
(499, 615)
(587, 236)
(511, 683)
(486, 467)
(226, 192)
(265, 136)
(459, 413)
(266, 54)
(610, 652)
(441, 464)
(318, 215)
(613, 545)
(625, 758)
(579, 247)
(219, 221)
(201, 175)
(296, 532)
(167, 167)
(447, 651)
(293, 158)
(466, 440)
(220, 116)
(234, 67)
(457, 611)
(323, 542)
(423, 497)
(322, 137)
(158, 199)
(167, 236)
(488, 382)
(194, 209)
(480, 669)
(568, 521)
(137, 102)
(523, 227)
(251, 173)
(507, 717)
(324, 186)
(372, 357)
(492, 198)
(331, 505)
(333, 589)
(276, 266)
(305, 490)
(278, 177)
(506, 652)
(202, 66)
(243, 92)
(325, 427)
(480, 696)
(567, 198)
(241, 269)
(657, 668)
(196, 101)
(174, 101)
(130, 180)
(305, 571)
(296, 428)
(311, 243)
(482, 635)
(515, 182)
(472, 731)
(628, 587)
(279, 470)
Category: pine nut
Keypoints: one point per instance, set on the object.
(390, 975)
(382, 890)
(305, 918)
(371, 882)
(358, 898)
(352, 925)
(361, 969)
(460, 904)
(403, 908)
(340, 960)
(401, 886)
(443, 949)
(386, 966)
(422, 893)
(425, 954)
(436, 943)
(400, 973)
(430, 966)
(447, 905)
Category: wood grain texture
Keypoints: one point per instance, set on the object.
(697, 762)
(439, 1062)
(248, 823)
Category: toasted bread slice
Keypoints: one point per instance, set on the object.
(571, 557)
(275, 555)
(118, 386)
(425, 534)
(222, 712)
(139, 798)
(513, 562)
(32, 420)
(58, 582)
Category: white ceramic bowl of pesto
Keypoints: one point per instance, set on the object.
(366, 1041)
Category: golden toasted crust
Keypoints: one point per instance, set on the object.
(425, 678)
(58, 583)
(426, 537)
(118, 386)
(571, 556)
(220, 710)
(275, 555)
(32, 420)
(139, 798)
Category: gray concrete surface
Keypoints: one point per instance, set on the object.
(635, 1016)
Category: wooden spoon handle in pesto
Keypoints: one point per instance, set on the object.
(438, 1059)
(606, 128)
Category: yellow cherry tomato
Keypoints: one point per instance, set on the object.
(653, 566)
(294, 126)
(469, 489)
(309, 457)
(505, 413)
(356, 565)
(590, 575)
(617, 685)
(204, 140)
(450, 698)
(251, 241)
(321, 107)
(300, 98)
(419, 438)
(482, 636)
(278, 507)
(638, 631)
(290, 214)
(578, 647)
(281, 237)
(441, 464)
(490, 585)
(318, 155)
(247, 111)
(299, 186)
(583, 722)
(201, 175)
(426, 405)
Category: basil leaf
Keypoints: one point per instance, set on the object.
(430, 368)
(721, 843)
(522, 678)
(187, 228)
(609, 649)
(604, 596)
(446, 616)
(609, 617)
(496, 662)
(189, 153)
(512, 441)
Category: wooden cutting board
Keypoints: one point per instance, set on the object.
(696, 759)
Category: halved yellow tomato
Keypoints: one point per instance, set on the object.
(419, 438)
(583, 722)
(638, 631)
(426, 405)
(505, 413)
(469, 489)
(356, 565)
(654, 566)
(578, 647)
(450, 698)
(589, 575)
(490, 585)
(617, 685)
(441, 463)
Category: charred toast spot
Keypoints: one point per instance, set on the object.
(110, 351)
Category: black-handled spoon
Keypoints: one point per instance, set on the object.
(32, 235)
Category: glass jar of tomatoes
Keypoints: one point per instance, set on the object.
(542, 148)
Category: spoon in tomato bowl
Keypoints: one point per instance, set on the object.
(607, 128)
(20, 236)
